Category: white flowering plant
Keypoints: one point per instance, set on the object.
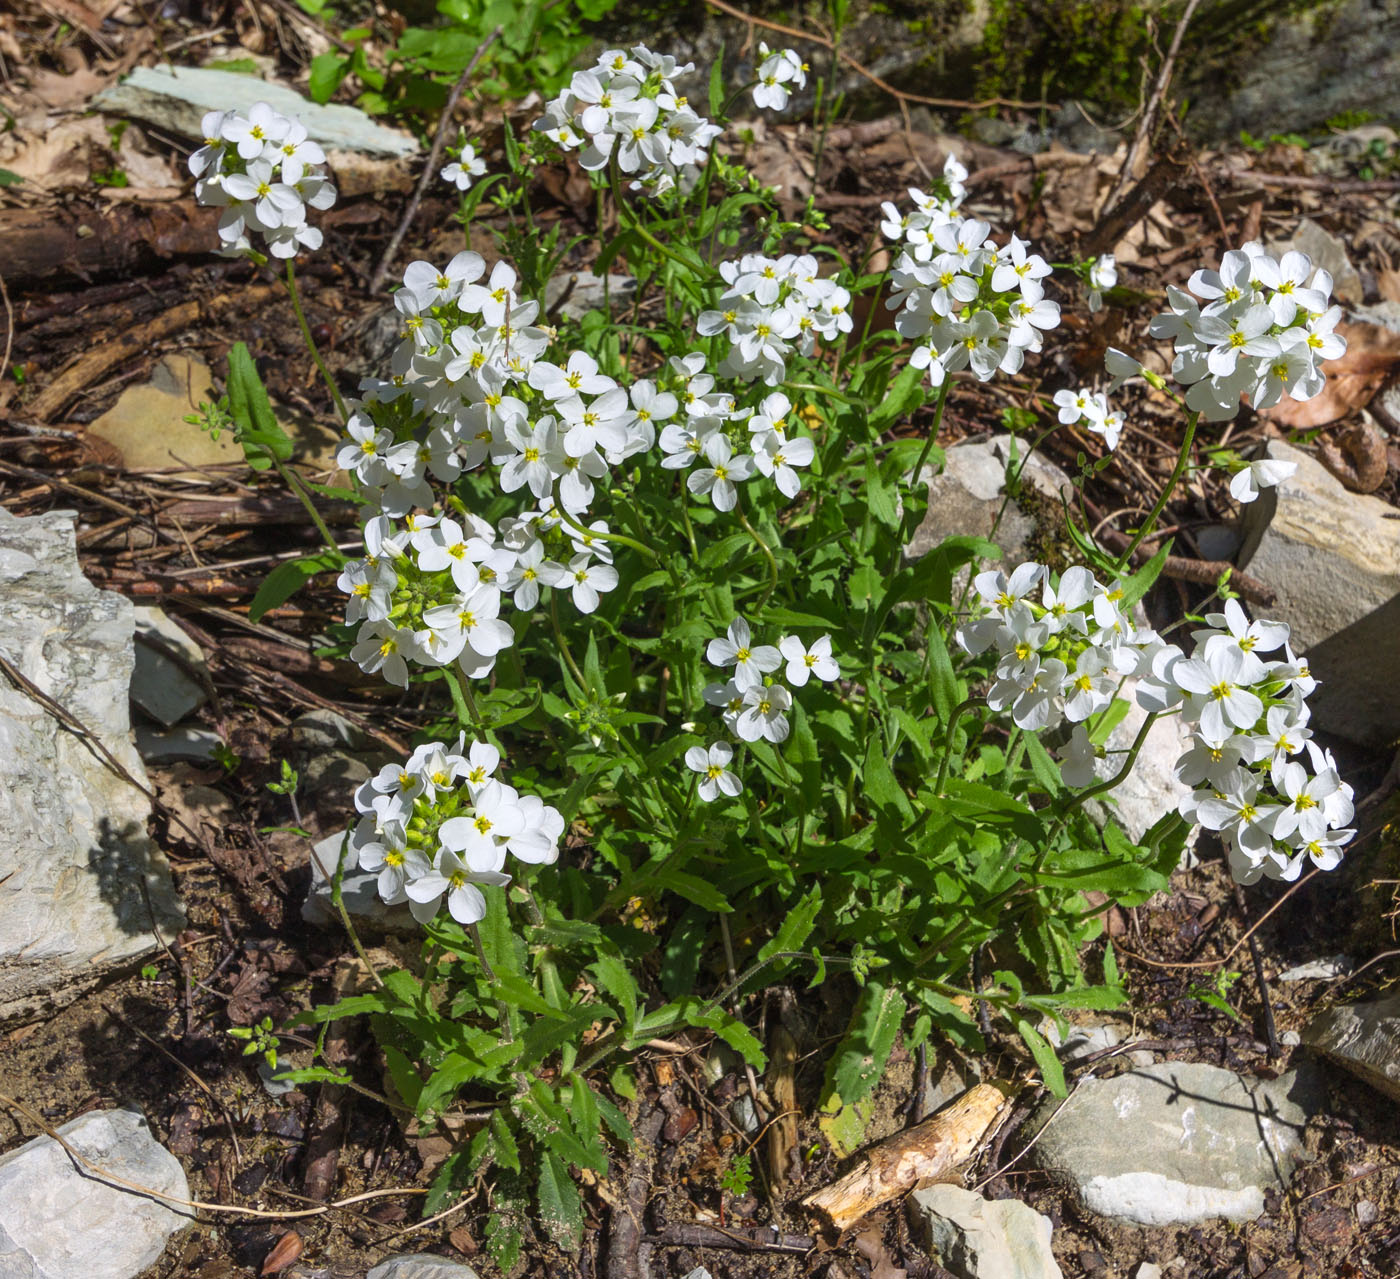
(706, 723)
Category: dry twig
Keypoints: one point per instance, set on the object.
(431, 167)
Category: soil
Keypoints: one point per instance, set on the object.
(157, 1038)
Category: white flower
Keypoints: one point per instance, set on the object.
(719, 479)
(1263, 473)
(466, 167)
(776, 457)
(764, 714)
(586, 581)
(751, 662)
(1215, 695)
(804, 662)
(713, 766)
(453, 877)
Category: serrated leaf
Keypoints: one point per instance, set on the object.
(286, 580)
(617, 981)
(561, 1208)
(860, 1059)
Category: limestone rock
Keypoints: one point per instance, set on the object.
(980, 1238)
(1151, 790)
(57, 1222)
(181, 742)
(358, 890)
(423, 1266)
(1333, 558)
(1327, 252)
(73, 845)
(164, 688)
(1365, 1038)
(176, 98)
(573, 294)
(147, 423)
(1175, 1142)
(963, 499)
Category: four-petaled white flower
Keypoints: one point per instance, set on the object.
(712, 764)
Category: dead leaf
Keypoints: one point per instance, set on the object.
(1372, 355)
(66, 92)
(461, 1239)
(872, 1248)
(1388, 282)
(285, 1251)
(63, 157)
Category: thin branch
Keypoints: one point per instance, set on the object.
(430, 168)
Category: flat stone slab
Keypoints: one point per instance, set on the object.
(1333, 560)
(162, 686)
(421, 1266)
(1365, 1038)
(57, 1222)
(358, 890)
(1175, 1143)
(978, 1238)
(74, 852)
(176, 98)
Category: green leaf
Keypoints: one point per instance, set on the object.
(616, 979)
(900, 398)
(881, 786)
(258, 431)
(1141, 582)
(860, 1060)
(8, 179)
(286, 580)
(717, 84)
(1051, 1071)
(793, 932)
(1046, 771)
(561, 1208)
(507, 1151)
(1108, 719)
(1110, 964)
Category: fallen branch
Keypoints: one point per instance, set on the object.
(1197, 572)
(734, 1238)
(897, 1164)
(431, 167)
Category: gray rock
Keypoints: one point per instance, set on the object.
(162, 682)
(1175, 1143)
(1151, 790)
(1218, 541)
(1319, 969)
(586, 293)
(58, 1221)
(358, 890)
(699, 1273)
(1365, 1038)
(980, 1238)
(1082, 1041)
(73, 845)
(963, 499)
(1327, 252)
(1148, 1270)
(422, 1266)
(1367, 1214)
(176, 98)
(1290, 1038)
(181, 742)
(327, 730)
(1333, 558)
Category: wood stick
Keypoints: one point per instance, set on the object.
(430, 168)
(897, 1164)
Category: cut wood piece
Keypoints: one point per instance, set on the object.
(899, 1163)
(784, 1161)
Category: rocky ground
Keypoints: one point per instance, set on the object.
(1239, 1119)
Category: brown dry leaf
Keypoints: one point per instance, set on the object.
(872, 1248)
(66, 92)
(60, 158)
(285, 1251)
(1372, 355)
(1388, 282)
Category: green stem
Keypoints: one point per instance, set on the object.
(311, 342)
(294, 482)
(634, 224)
(339, 902)
(767, 554)
(905, 532)
(816, 389)
(563, 643)
(958, 711)
(621, 538)
(1125, 561)
(462, 700)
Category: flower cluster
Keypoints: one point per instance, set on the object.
(441, 825)
(1261, 331)
(767, 431)
(967, 302)
(777, 70)
(625, 110)
(771, 307)
(1063, 652)
(263, 172)
(466, 166)
(1092, 409)
(752, 704)
(1249, 724)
